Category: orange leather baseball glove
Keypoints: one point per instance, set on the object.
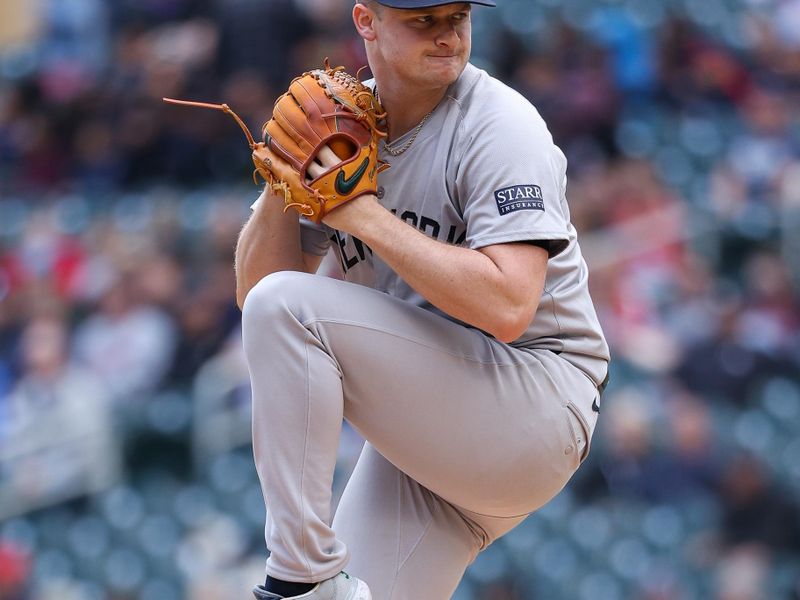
(323, 107)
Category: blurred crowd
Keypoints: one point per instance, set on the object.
(124, 465)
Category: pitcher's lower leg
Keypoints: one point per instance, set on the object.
(297, 419)
(405, 542)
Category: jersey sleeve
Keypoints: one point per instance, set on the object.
(511, 178)
(314, 239)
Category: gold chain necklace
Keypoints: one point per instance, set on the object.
(407, 145)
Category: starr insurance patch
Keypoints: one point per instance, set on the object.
(519, 197)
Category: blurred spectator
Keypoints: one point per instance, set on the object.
(57, 432)
(668, 456)
(630, 434)
(205, 319)
(746, 186)
(769, 321)
(47, 257)
(244, 45)
(755, 512)
(632, 49)
(571, 83)
(721, 367)
(696, 72)
(689, 463)
(128, 344)
(77, 35)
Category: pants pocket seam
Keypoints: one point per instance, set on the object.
(585, 426)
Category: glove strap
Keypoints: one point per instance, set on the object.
(224, 108)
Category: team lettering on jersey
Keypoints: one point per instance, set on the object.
(519, 197)
(353, 251)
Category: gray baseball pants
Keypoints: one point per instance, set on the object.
(465, 435)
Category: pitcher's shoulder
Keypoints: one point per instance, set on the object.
(482, 98)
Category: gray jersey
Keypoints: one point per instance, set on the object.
(484, 170)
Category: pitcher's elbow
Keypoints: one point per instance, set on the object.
(514, 325)
(508, 335)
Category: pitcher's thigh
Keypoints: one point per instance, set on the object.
(481, 424)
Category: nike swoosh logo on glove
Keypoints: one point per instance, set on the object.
(345, 185)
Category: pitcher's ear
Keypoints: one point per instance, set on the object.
(364, 18)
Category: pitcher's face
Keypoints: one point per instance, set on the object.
(428, 47)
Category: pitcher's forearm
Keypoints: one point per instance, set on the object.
(269, 242)
(503, 282)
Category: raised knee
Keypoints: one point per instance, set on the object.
(273, 294)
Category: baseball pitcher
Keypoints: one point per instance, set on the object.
(462, 343)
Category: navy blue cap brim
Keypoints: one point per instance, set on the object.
(429, 3)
